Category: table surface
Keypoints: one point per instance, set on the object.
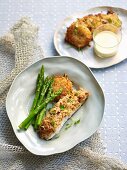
(47, 14)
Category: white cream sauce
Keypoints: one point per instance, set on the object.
(106, 44)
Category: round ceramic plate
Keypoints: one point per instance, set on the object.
(21, 94)
(86, 55)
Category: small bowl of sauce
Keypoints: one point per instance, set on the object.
(106, 40)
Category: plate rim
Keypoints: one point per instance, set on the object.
(78, 141)
(61, 23)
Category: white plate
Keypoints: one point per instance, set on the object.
(21, 94)
(86, 55)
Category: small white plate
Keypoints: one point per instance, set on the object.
(21, 94)
(86, 55)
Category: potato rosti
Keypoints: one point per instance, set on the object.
(92, 22)
(80, 32)
(64, 83)
(111, 18)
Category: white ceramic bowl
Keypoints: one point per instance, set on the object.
(21, 94)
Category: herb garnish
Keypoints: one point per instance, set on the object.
(109, 20)
(76, 94)
(53, 123)
(68, 125)
(57, 136)
(76, 30)
(62, 107)
(73, 122)
(70, 100)
(79, 49)
(53, 112)
(77, 122)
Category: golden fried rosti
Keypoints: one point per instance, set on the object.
(64, 83)
(92, 22)
(111, 18)
(80, 32)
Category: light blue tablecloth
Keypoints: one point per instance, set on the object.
(48, 14)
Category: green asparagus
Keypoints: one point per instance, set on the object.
(39, 108)
(46, 85)
(39, 84)
(35, 124)
(50, 90)
(39, 118)
(40, 81)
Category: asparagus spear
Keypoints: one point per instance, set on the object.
(39, 108)
(46, 85)
(40, 80)
(50, 90)
(39, 84)
(40, 116)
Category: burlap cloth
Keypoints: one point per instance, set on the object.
(20, 45)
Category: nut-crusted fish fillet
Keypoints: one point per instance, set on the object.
(61, 112)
